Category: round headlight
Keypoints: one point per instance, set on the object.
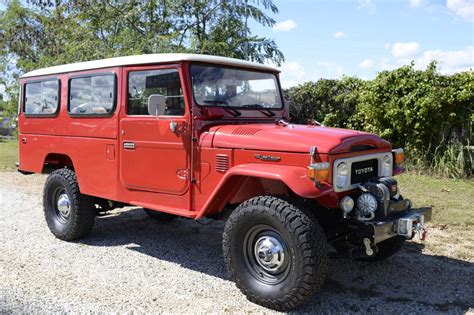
(387, 165)
(387, 161)
(342, 175)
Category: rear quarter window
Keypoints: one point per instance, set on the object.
(93, 95)
(41, 98)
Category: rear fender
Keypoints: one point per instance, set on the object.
(293, 177)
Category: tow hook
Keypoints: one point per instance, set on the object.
(368, 249)
(421, 231)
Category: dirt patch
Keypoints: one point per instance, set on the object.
(132, 263)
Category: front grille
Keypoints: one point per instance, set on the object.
(364, 170)
(361, 169)
(222, 163)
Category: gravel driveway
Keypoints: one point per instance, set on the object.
(132, 263)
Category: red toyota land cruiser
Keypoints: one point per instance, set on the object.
(201, 136)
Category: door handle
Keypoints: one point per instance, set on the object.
(173, 126)
(129, 145)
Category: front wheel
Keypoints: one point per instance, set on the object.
(276, 254)
(69, 214)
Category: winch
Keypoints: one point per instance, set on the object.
(377, 199)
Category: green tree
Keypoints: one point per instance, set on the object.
(46, 33)
(329, 101)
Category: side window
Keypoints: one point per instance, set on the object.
(142, 84)
(41, 98)
(92, 95)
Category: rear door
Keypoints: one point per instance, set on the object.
(155, 150)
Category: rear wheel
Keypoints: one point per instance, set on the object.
(160, 216)
(69, 214)
(274, 252)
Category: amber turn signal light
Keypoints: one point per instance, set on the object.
(398, 156)
(319, 172)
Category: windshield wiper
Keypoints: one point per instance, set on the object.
(267, 112)
(226, 106)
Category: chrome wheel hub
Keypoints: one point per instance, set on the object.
(63, 204)
(269, 254)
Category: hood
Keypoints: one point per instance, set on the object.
(293, 138)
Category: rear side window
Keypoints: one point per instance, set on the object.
(92, 95)
(143, 84)
(41, 98)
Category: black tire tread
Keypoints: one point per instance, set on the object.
(82, 204)
(309, 236)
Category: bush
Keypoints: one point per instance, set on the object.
(429, 114)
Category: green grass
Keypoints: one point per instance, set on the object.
(452, 199)
(8, 155)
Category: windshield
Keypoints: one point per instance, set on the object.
(237, 88)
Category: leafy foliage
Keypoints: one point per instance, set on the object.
(429, 114)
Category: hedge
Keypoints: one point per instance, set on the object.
(423, 111)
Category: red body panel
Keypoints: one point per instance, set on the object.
(208, 162)
(293, 138)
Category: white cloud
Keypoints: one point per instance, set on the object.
(368, 5)
(292, 73)
(387, 64)
(463, 8)
(329, 70)
(338, 34)
(405, 50)
(284, 26)
(367, 63)
(449, 61)
(415, 3)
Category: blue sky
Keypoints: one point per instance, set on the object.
(331, 38)
(326, 39)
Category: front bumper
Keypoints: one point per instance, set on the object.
(404, 224)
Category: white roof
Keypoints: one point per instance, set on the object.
(146, 59)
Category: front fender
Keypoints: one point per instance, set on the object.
(294, 177)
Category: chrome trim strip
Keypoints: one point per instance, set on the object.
(129, 145)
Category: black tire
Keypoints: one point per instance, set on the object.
(386, 249)
(160, 216)
(77, 219)
(304, 252)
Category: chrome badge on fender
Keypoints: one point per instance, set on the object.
(267, 157)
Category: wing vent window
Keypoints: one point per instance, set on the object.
(222, 163)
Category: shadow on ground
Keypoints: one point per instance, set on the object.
(408, 282)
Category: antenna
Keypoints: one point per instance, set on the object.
(246, 33)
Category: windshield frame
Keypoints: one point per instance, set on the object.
(239, 108)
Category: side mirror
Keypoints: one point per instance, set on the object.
(156, 104)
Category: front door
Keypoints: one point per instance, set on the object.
(155, 150)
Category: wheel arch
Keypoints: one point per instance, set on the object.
(54, 161)
(243, 182)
